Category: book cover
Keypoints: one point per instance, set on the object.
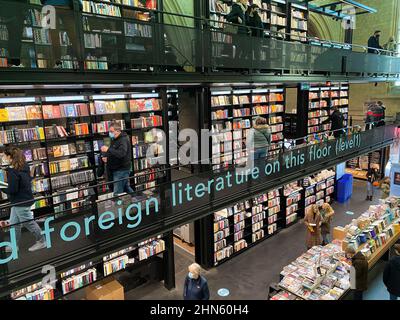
(80, 146)
(72, 148)
(57, 151)
(48, 111)
(33, 112)
(16, 113)
(70, 110)
(121, 106)
(82, 109)
(3, 115)
(57, 112)
(100, 107)
(110, 107)
(28, 155)
(65, 150)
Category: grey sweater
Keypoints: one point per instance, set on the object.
(262, 136)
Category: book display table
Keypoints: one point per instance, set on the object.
(323, 273)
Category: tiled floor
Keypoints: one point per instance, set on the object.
(248, 275)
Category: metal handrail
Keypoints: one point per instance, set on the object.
(294, 142)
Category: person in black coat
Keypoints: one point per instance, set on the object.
(196, 286)
(237, 16)
(391, 274)
(373, 43)
(372, 176)
(19, 192)
(337, 120)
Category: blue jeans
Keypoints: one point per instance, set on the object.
(393, 297)
(123, 185)
(23, 217)
(260, 154)
(326, 238)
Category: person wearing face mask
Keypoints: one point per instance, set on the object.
(19, 192)
(118, 159)
(373, 43)
(196, 286)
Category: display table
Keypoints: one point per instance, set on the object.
(374, 233)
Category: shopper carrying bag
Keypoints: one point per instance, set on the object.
(313, 222)
(19, 192)
(196, 286)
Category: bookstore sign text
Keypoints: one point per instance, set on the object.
(183, 193)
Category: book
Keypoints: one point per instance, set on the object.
(33, 112)
(4, 115)
(28, 155)
(16, 113)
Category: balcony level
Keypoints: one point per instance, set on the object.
(121, 49)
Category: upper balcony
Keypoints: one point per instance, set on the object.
(132, 45)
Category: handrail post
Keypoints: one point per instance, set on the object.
(79, 25)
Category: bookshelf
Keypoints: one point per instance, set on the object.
(319, 189)
(127, 36)
(298, 22)
(61, 137)
(233, 113)
(316, 106)
(292, 196)
(80, 276)
(245, 224)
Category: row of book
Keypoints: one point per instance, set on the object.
(72, 179)
(69, 164)
(121, 106)
(225, 100)
(78, 281)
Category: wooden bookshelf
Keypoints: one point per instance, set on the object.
(245, 224)
(61, 138)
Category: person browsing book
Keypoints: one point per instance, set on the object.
(118, 159)
(327, 215)
(313, 221)
(19, 192)
(196, 286)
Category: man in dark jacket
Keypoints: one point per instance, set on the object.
(373, 43)
(195, 287)
(237, 16)
(254, 22)
(391, 274)
(118, 158)
(337, 120)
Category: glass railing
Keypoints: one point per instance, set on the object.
(127, 39)
(101, 226)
